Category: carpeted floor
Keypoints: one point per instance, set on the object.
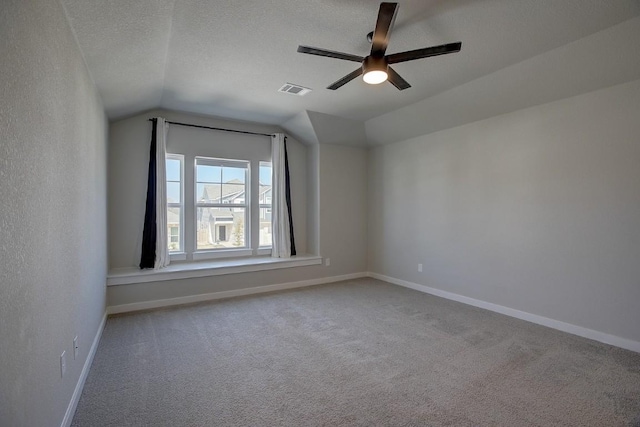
(356, 353)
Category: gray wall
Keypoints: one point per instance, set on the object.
(313, 199)
(536, 210)
(343, 207)
(582, 66)
(52, 214)
(328, 187)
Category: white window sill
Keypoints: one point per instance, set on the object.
(186, 270)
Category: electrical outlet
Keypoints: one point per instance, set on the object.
(63, 363)
(75, 347)
(419, 268)
(327, 262)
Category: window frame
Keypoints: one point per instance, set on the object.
(223, 252)
(177, 254)
(189, 209)
(267, 206)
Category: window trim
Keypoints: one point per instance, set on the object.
(181, 247)
(262, 249)
(221, 162)
(222, 253)
(189, 205)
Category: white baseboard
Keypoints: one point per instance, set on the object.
(145, 305)
(523, 315)
(75, 398)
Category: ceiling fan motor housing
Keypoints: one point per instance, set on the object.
(374, 63)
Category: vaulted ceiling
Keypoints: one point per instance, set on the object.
(229, 58)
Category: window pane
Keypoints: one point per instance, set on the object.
(265, 227)
(235, 175)
(265, 199)
(208, 173)
(173, 170)
(233, 193)
(173, 231)
(173, 192)
(265, 173)
(219, 228)
(208, 193)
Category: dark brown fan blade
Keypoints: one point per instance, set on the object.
(329, 53)
(424, 53)
(380, 40)
(346, 79)
(395, 79)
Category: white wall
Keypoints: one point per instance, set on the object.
(317, 174)
(536, 210)
(52, 214)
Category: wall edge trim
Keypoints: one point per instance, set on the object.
(77, 392)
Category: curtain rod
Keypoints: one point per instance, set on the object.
(214, 128)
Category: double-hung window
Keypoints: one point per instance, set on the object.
(224, 211)
(222, 202)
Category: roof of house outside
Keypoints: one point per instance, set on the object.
(226, 192)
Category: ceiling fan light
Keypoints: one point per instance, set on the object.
(374, 70)
(375, 77)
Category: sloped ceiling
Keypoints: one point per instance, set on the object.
(582, 66)
(228, 58)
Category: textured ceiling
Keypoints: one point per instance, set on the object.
(228, 58)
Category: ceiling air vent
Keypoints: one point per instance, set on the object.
(292, 89)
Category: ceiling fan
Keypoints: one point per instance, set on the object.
(375, 67)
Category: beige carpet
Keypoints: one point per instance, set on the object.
(356, 353)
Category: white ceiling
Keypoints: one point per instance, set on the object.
(228, 58)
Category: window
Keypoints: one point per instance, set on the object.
(175, 202)
(265, 204)
(174, 235)
(222, 208)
